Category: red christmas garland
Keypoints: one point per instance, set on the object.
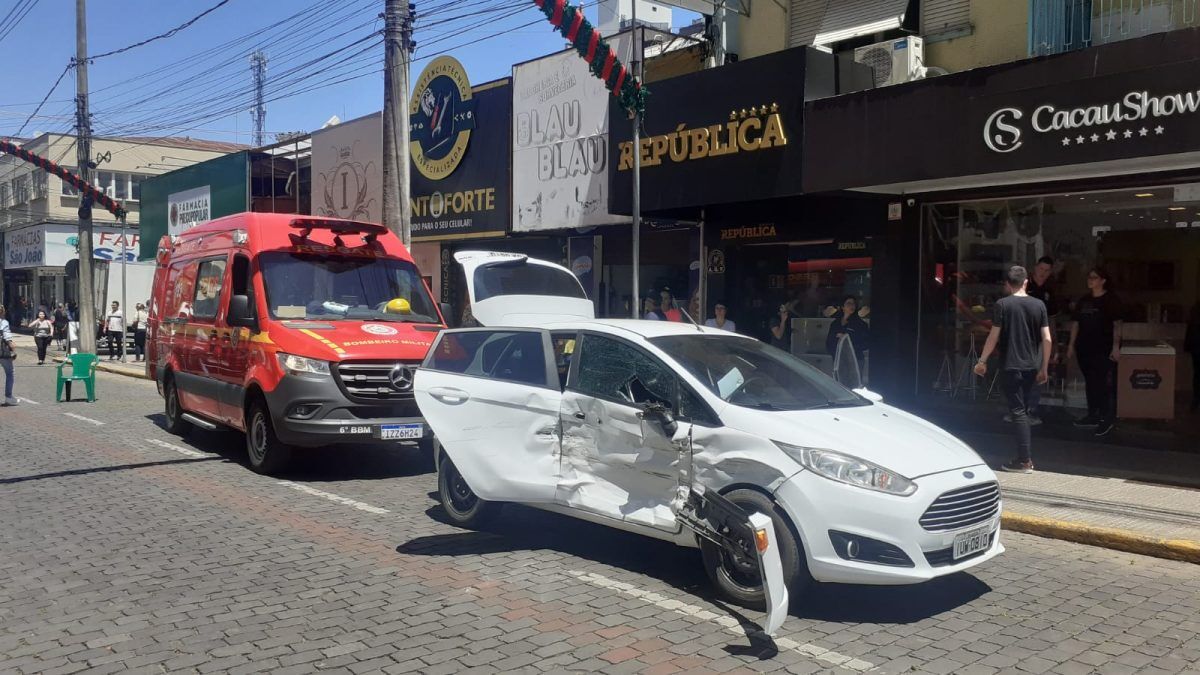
(601, 58)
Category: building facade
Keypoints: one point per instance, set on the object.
(39, 212)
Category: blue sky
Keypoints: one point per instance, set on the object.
(321, 60)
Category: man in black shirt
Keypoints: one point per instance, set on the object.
(1022, 324)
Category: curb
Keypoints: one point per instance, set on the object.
(1105, 537)
(116, 370)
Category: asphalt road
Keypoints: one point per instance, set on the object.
(125, 548)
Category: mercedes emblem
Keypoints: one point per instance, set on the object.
(401, 378)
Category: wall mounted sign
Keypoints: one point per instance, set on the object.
(347, 162)
(1130, 99)
(471, 199)
(718, 136)
(441, 117)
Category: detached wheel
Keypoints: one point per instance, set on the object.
(173, 410)
(461, 504)
(266, 454)
(740, 581)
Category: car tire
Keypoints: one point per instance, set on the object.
(462, 506)
(743, 586)
(266, 454)
(173, 410)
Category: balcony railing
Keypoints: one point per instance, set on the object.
(1064, 25)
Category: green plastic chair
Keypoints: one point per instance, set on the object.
(83, 369)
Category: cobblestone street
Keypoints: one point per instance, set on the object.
(127, 549)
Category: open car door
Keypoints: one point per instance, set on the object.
(491, 397)
(512, 289)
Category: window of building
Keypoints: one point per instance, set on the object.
(69, 190)
(5, 196)
(20, 189)
(40, 184)
(135, 187)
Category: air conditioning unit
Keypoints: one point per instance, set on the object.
(894, 61)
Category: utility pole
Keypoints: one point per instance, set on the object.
(258, 66)
(637, 168)
(397, 51)
(83, 146)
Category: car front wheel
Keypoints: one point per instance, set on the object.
(464, 508)
(741, 581)
(266, 453)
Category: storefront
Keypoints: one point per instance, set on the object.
(1078, 160)
(36, 257)
(725, 148)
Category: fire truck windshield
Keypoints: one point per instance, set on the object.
(332, 287)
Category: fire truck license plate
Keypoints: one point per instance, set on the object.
(389, 432)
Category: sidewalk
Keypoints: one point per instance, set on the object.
(1144, 501)
(54, 355)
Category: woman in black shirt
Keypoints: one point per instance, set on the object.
(1095, 337)
(847, 322)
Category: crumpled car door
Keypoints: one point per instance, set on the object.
(491, 397)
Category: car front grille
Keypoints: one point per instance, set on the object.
(945, 556)
(377, 380)
(963, 507)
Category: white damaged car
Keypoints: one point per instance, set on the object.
(662, 429)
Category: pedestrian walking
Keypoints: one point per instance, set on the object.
(8, 353)
(61, 319)
(1096, 339)
(140, 317)
(43, 332)
(1021, 324)
(114, 325)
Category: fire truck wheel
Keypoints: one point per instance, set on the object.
(266, 454)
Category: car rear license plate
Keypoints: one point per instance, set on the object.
(399, 432)
(972, 541)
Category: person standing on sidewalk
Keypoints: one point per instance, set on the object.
(140, 317)
(60, 326)
(43, 330)
(8, 352)
(1021, 323)
(114, 325)
(1096, 338)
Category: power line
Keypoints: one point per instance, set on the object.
(6, 26)
(44, 99)
(163, 36)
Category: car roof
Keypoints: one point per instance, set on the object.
(643, 328)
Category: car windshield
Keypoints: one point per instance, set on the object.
(331, 288)
(755, 375)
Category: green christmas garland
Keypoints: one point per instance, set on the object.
(601, 58)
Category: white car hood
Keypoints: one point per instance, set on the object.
(877, 433)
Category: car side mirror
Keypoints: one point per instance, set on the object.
(662, 415)
(240, 314)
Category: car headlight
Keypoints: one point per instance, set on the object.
(850, 470)
(299, 365)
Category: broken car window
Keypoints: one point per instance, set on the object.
(503, 355)
(617, 371)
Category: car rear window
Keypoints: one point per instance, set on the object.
(524, 279)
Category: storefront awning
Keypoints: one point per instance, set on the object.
(847, 20)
